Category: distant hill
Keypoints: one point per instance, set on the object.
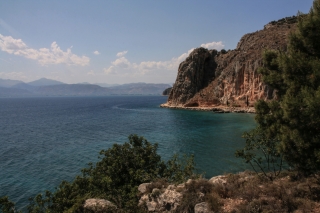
(106, 85)
(14, 92)
(44, 82)
(9, 83)
(25, 86)
(72, 90)
(48, 87)
(139, 89)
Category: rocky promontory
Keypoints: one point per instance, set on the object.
(167, 91)
(211, 78)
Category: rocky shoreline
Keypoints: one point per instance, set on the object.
(215, 109)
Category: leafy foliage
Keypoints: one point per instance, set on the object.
(223, 51)
(6, 206)
(294, 118)
(261, 153)
(116, 178)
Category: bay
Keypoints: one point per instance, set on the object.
(46, 140)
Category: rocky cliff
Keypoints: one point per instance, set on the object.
(210, 78)
(167, 91)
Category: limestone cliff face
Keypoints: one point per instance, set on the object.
(211, 78)
(167, 91)
(194, 74)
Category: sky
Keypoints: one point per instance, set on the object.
(123, 41)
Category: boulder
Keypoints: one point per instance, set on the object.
(220, 179)
(143, 187)
(98, 205)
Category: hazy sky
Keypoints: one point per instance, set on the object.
(123, 41)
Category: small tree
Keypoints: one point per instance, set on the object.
(261, 153)
(6, 206)
(294, 118)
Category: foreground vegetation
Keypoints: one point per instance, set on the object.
(123, 168)
(248, 192)
(115, 177)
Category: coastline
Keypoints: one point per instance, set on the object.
(215, 109)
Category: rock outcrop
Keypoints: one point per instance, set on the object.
(161, 200)
(98, 205)
(210, 78)
(172, 198)
(194, 74)
(242, 192)
(167, 91)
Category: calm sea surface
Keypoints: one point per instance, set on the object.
(46, 140)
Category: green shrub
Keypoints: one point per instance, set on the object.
(116, 178)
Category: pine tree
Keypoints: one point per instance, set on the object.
(294, 118)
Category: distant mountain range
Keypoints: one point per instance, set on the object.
(48, 87)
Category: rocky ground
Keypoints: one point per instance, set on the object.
(231, 193)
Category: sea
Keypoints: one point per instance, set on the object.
(46, 140)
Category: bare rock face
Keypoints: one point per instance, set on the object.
(210, 78)
(194, 74)
(167, 91)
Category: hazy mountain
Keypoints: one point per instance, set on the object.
(44, 82)
(14, 92)
(9, 83)
(139, 89)
(106, 85)
(48, 87)
(72, 90)
(25, 86)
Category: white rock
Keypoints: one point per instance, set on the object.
(221, 179)
(143, 187)
(94, 204)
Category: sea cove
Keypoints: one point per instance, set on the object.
(47, 140)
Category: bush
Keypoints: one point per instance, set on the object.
(6, 206)
(294, 119)
(261, 153)
(116, 178)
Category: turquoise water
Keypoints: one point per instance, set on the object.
(46, 140)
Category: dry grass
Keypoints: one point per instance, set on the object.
(285, 194)
(248, 193)
(197, 191)
(158, 183)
